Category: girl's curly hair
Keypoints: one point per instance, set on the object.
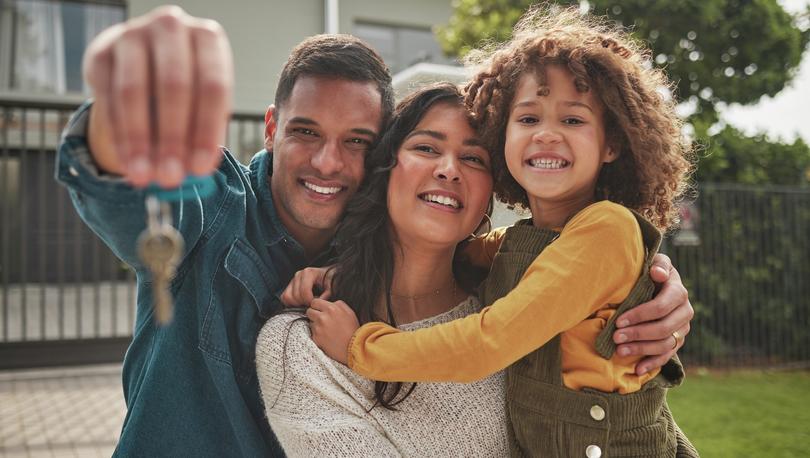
(640, 122)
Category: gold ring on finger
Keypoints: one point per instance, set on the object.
(677, 336)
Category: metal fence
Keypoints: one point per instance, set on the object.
(64, 298)
(747, 267)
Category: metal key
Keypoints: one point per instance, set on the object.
(159, 248)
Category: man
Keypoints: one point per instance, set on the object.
(162, 86)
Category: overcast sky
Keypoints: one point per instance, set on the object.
(787, 114)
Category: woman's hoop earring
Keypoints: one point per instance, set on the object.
(481, 228)
(489, 222)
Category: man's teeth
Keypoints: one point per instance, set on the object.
(321, 189)
(548, 163)
(444, 200)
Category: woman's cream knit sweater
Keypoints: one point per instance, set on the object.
(319, 407)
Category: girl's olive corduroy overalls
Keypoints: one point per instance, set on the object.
(551, 420)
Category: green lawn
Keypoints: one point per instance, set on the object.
(745, 414)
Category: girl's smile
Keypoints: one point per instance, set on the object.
(555, 145)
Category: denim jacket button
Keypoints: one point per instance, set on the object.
(72, 170)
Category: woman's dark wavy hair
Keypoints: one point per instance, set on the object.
(364, 245)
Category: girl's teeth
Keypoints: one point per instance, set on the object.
(548, 163)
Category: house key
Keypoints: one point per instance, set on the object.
(159, 248)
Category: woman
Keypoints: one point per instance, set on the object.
(428, 188)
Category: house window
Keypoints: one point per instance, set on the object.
(401, 47)
(42, 42)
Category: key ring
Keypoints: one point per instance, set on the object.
(192, 186)
(158, 212)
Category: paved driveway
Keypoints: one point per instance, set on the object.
(64, 412)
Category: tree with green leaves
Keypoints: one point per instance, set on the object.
(716, 51)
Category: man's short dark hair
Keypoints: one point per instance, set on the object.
(336, 56)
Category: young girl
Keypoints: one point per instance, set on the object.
(580, 134)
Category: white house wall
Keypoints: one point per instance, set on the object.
(262, 32)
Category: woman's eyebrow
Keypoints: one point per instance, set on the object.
(431, 133)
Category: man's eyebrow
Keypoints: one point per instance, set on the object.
(430, 133)
(302, 120)
(368, 132)
(312, 122)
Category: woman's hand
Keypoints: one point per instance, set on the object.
(302, 288)
(332, 325)
(650, 328)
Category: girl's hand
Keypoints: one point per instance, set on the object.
(302, 288)
(332, 325)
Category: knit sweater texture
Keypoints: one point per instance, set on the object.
(319, 407)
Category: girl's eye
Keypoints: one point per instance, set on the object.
(528, 120)
(573, 121)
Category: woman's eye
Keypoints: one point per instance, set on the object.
(425, 148)
(476, 160)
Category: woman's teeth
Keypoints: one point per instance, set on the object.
(444, 200)
(548, 163)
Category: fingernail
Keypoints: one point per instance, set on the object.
(171, 171)
(621, 338)
(623, 323)
(624, 351)
(139, 169)
(200, 161)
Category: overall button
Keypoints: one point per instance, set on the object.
(597, 413)
(593, 451)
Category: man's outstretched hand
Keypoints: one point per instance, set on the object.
(162, 85)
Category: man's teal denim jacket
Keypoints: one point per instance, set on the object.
(191, 387)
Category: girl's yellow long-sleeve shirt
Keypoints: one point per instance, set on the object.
(572, 288)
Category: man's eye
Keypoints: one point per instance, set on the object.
(360, 141)
(304, 131)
